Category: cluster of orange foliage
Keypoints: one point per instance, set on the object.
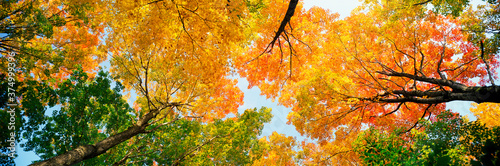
(373, 68)
(340, 76)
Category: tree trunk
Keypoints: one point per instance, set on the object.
(90, 151)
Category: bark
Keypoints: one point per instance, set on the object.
(480, 94)
(90, 151)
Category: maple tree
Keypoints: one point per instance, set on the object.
(43, 41)
(387, 65)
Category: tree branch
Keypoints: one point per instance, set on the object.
(452, 84)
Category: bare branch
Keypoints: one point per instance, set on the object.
(185, 154)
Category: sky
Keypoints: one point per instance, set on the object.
(253, 99)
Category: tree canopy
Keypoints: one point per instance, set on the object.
(370, 88)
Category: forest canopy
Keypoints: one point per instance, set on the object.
(367, 89)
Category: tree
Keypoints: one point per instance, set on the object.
(177, 56)
(450, 140)
(381, 148)
(41, 42)
(50, 37)
(278, 150)
(387, 65)
(487, 113)
(91, 111)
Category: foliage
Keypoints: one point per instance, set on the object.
(92, 110)
(232, 141)
(442, 141)
(482, 142)
(382, 148)
(185, 57)
(36, 96)
(444, 7)
(278, 150)
(48, 40)
(482, 26)
(488, 113)
(450, 140)
(176, 83)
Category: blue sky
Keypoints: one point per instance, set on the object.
(253, 99)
